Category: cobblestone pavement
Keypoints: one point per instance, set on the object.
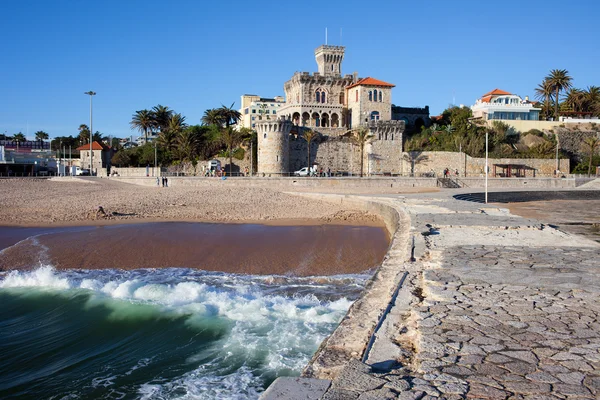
(489, 312)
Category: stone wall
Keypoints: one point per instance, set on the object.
(571, 142)
(134, 171)
(427, 162)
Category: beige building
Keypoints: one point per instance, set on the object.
(255, 108)
(331, 104)
(101, 156)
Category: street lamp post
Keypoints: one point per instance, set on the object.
(90, 93)
(155, 170)
(486, 165)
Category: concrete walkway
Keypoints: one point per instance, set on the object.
(494, 307)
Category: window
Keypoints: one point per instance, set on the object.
(266, 111)
(253, 118)
(370, 96)
(342, 98)
(374, 95)
(318, 97)
(254, 111)
(375, 116)
(265, 136)
(274, 111)
(253, 125)
(380, 95)
(246, 111)
(323, 100)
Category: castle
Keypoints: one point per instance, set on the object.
(331, 104)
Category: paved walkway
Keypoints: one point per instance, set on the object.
(495, 307)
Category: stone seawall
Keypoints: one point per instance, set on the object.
(352, 335)
(345, 183)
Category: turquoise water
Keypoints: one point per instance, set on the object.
(161, 334)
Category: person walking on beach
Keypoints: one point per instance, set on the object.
(166, 182)
(157, 181)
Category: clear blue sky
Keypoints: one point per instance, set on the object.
(193, 55)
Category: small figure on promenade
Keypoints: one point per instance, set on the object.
(166, 182)
(329, 172)
(246, 170)
(456, 172)
(157, 181)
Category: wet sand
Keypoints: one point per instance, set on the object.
(233, 248)
(581, 217)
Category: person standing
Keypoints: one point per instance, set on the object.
(157, 181)
(166, 182)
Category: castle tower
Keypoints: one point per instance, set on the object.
(274, 146)
(329, 60)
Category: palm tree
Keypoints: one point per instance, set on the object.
(168, 135)
(41, 136)
(576, 99)
(591, 143)
(161, 115)
(143, 121)
(229, 115)
(309, 135)
(188, 142)
(560, 81)
(84, 134)
(592, 98)
(232, 139)
(361, 136)
(212, 116)
(543, 92)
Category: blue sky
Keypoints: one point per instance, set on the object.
(192, 55)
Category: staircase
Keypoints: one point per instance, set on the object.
(448, 183)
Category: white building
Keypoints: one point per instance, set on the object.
(502, 105)
(255, 108)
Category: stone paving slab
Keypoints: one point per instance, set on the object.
(293, 388)
(488, 313)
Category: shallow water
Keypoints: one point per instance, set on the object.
(159, 333)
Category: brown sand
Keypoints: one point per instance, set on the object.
(249, 249)
(74, 201)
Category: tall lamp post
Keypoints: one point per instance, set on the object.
(91, 94)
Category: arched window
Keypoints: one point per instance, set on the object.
(380, 96)
(318, 95)
(370, 96)
(375, 116)
(374, 95)
(265, 136)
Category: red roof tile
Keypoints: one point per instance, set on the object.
(368, 81)
(496, 92)
(95, 146)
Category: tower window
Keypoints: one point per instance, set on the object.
(370, 96)
(380, 95)
(318, 97)
(374, 95)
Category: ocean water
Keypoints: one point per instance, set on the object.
(173, 333)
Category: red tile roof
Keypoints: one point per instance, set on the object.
(368, 81)
(496, 92)
(95, 146)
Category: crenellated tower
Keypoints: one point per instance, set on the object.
(273, 146)
(329, 59)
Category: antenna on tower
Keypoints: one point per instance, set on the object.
(325, 35)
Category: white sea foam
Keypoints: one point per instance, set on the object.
(43, 277)
(263, 321)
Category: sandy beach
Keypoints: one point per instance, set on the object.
(74, 201)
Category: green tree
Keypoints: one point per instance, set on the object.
(41, 136)
(161, 116)
(19, 137)
(544, 92)
(84, 134)
(143, 121)
(592, 98)
(213, 116)
(560, 80)
(309, 135)
(121, 158)
(361, 136)
(232, 138)
(576, 99)
(229, 115)
(591, 143)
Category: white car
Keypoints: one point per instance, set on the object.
(302, 172)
